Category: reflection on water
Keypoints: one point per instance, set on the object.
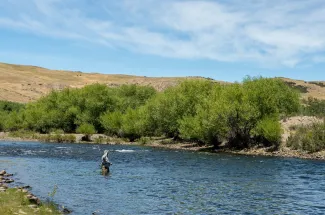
(151, 181)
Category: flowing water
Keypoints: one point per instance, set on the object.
(145, 180)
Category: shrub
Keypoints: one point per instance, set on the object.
(270, 130)
(70, 138)
(131, 125)
(57, 138)
(209, 124)
(144, 140)
(313, 107)
(22, 134)
(2, 120)
(164, 112)
(87, 130)
(199, 110)
(100, 140)
(308, 138)
(238, 113)
(112, 122)
(8, 106)
(320, 84)
(14, 121)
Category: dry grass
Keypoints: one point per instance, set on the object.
(314, 89)
(290, 124)
(20, 83)
(13, 201)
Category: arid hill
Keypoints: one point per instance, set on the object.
(21, 83)
(314, 89)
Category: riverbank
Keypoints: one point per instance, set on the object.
(165, 143)
(255, 151)
(20, 200)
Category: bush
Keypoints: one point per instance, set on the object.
(313, 107)
(112, 122)
(144, 140)
(100, 140)
(87, 130)
(269, 129)
(164, 112)
(70, 138)
(209, 124)
(70, 108)
(308, 138)
(243, 114)
(22, 134)
(3, 117)
(57, 138)
(131, 126)
(8, 106)
(13, 121)
(133, 96)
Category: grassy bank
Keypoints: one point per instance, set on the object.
(14, 201)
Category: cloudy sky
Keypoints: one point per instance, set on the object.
(221, 39)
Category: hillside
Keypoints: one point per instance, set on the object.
(314, 89)
(27, 83)
(21, 83)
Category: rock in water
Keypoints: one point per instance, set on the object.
(3, 172)
(66, 211)
(8, 181)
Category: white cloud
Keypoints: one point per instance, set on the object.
(318, 59)
(279, 32)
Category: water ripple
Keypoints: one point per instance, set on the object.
(152, 181)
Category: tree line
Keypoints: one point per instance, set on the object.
(241, 114)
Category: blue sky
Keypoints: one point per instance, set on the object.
(224, 40)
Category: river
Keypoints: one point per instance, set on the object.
(147, 180)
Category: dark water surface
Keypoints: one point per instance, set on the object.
(152, 181)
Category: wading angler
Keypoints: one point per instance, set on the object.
(105, 163)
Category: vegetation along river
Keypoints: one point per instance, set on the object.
(145, 180)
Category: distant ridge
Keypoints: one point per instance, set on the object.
(22, 83)
(314, 89)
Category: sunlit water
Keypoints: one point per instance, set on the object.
(152, 181)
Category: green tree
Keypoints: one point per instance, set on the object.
(10, 115)
(14, 121)
(112, 122)
(167, 109)
(132, 96)
(131, 125)
(241, 113)
(209, 124)
(271, 96)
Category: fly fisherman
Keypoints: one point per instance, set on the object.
(105, 161)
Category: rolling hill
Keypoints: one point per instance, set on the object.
(20, 83)
(23, 84)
